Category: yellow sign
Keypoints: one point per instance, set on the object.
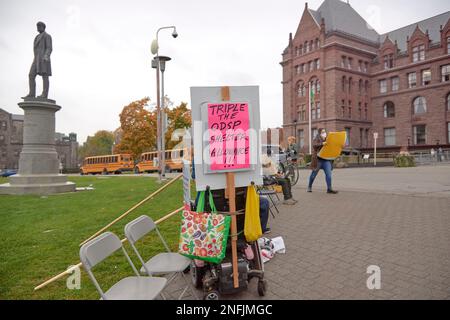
(334, 144)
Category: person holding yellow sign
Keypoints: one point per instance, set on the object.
(324, 152)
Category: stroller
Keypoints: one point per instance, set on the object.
(217, 279)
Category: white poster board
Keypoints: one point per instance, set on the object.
(201, 97)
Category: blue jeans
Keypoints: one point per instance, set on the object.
(326, 166)
(263, 212)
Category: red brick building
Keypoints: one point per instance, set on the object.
(396, 84)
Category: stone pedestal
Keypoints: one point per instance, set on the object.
(38, 162)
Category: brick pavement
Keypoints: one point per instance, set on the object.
(332, 239)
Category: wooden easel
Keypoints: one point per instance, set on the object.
(230, 194)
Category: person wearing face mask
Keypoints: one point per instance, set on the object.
(318, 163)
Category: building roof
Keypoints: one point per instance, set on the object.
(340, 16)
(17, 117)
(433, 25)
(14, 117)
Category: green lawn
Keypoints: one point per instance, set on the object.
(41, 235)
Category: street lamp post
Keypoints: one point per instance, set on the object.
(160, 132)
(162, 67)
(375, 137)
(155, 65)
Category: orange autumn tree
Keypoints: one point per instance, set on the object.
(138, 129)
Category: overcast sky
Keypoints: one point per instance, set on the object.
(101, 50)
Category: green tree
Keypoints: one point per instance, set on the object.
(99, 144)
(177, 118)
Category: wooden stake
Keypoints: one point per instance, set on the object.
(232, 203)
(69, 271)
(225, 92)
(59, 276)
(132, 209)
(230, 193)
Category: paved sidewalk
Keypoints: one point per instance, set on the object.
(419, 181)
(332, 239)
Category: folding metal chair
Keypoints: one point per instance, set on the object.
(130, 288)
(271, 187)
(163, 263)
(269, 193)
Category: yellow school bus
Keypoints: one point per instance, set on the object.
(174, 159)
(148, 161)
(115, 163)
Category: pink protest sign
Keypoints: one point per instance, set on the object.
(228, 125)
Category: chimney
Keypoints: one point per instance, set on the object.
(291, 47)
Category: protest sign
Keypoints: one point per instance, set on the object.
(226, 136)
(333, 148)
(228, 125)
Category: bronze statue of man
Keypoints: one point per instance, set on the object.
(41, 63)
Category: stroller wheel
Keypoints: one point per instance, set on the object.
(262, 287)
(197, 275)
(211, 295)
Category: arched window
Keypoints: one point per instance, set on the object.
(300, 89)
(344, 80)
(350, 81)
(419, 105)
(389, 109)
(360, 86)
(300, 49)
(448, 44)
(315, 86)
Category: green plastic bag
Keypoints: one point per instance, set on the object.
(203, 235)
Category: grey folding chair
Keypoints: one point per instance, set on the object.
(130, 288)
(270, 194)
(163, 263)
